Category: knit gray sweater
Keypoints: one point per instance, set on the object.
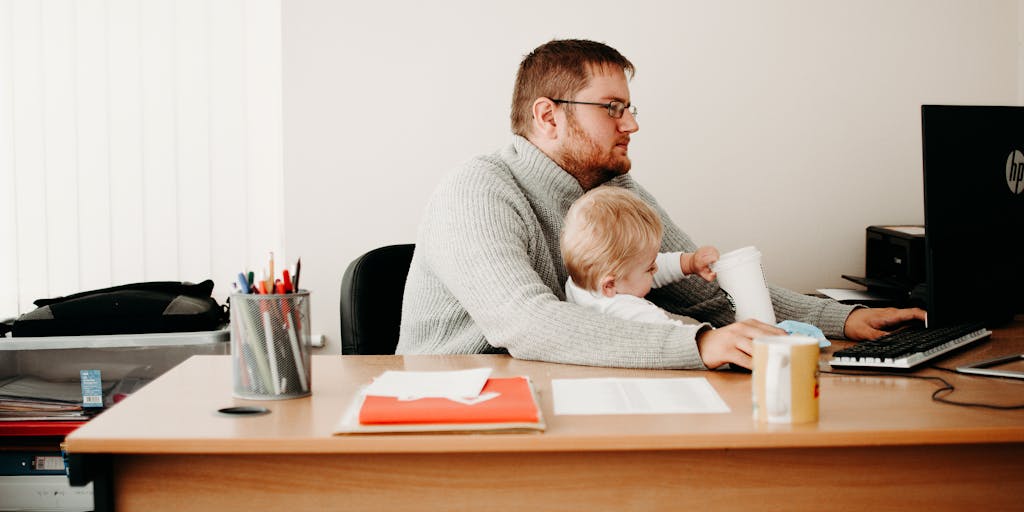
(487, 276)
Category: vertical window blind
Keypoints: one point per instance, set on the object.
(140, 140)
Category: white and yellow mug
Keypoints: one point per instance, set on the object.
(785, 379)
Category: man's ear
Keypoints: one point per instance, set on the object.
(544, 123)
(607, 286)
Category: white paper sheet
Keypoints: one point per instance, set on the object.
(413, 385)
(636, 396)
(910, 230)
(842, 294)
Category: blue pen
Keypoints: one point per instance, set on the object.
(243, 283)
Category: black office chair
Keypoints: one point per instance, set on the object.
(371, 300)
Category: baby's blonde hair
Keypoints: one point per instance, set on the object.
(606, 229)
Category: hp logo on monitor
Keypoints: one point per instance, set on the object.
(1015, 171)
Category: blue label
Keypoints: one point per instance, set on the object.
(92, 388)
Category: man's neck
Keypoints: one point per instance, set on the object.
(587, 180)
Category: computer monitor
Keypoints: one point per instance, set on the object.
(973, 212)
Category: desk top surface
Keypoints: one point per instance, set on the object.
(177, 413)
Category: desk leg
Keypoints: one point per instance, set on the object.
(97, 469)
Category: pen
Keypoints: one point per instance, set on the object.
(252, 351)
(287, 280)
(268, 330)
(300, 367)
(298, 269)
(243, 284)
(289, 328)
(252, 283)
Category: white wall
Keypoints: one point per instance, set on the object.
(791, 125)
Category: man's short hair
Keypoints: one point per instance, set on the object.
(605, 230)
(558, 69)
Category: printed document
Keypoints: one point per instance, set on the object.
(636, 396)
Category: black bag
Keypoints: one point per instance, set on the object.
(158, 306)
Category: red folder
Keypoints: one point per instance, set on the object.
(514, 404)
(39, 428)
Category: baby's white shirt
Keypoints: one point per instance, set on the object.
(631, 307)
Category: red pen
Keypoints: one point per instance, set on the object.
(287, 281)
(279, 287)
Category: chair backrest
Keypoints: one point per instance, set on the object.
(371, 300)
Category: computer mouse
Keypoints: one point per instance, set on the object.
(910, 324)
(735, 368)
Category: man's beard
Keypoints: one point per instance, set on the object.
(588, 162)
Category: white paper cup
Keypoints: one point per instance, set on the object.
(740, 275)
(785, 379)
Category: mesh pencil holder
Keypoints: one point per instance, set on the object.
(270, 345)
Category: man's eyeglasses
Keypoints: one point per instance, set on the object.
(615, 108)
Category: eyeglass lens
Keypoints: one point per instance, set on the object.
(617, 108)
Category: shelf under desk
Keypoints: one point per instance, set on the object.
(881, 443)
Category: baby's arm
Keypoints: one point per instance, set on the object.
(699, 262)
(669, 270)
(673, 266)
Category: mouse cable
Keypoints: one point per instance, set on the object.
(939, 395)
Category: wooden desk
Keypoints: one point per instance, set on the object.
(881, 444)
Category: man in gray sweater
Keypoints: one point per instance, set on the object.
(487, 276)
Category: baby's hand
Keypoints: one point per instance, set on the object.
(701, 262)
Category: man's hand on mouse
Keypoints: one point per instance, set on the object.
(733, 343)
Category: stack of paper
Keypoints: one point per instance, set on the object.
(25, 398)
(457, 401)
